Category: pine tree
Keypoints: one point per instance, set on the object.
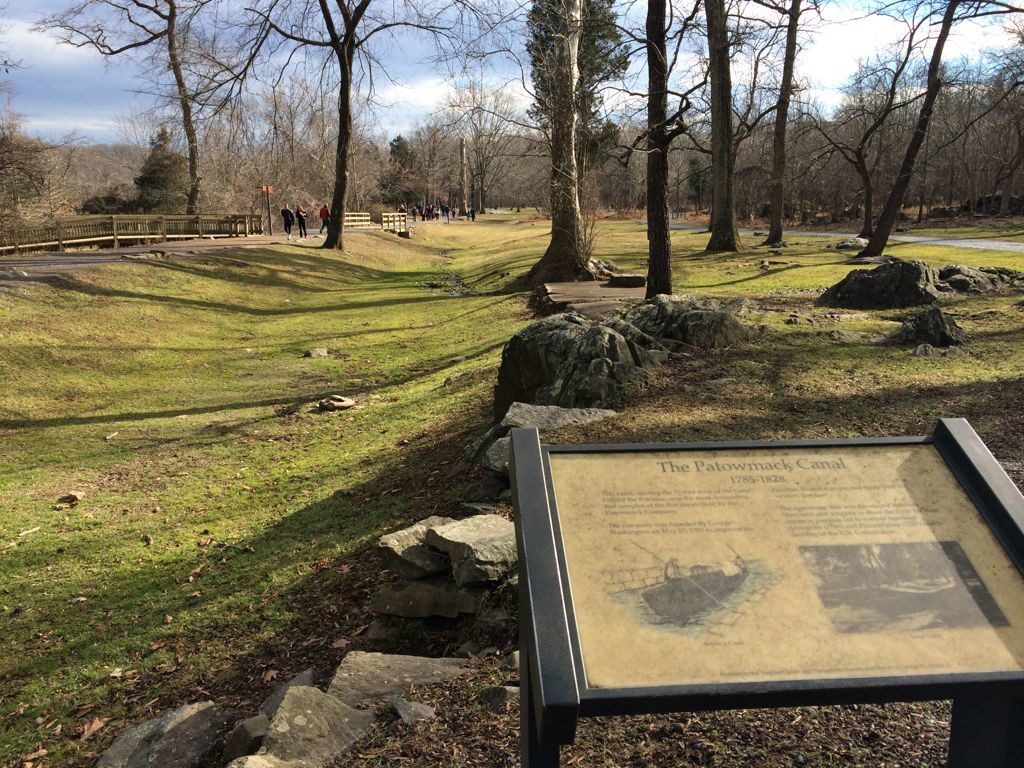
(163, 181)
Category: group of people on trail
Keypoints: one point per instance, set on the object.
(436, 212)
(298, 216)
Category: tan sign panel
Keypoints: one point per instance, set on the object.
(741, 565)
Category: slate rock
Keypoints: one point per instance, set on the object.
(273, 701)
(317, 352)
(895, 284)
(246, 737)
(423, 598)
(499, 698)
(533, 357)
(963, 279)
(926, 350)
(495, 458)
(312, 729)
(405, 553)
(363, 677)
(511, 662)
(490, 487)
(626, 281)
(262, 761)
(934, 327)
(545, 418)
(336, 403)
(481, 548)
(412, 711)
(176, 739)
(852, 244)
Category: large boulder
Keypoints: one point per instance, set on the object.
(364, 678)
(405, 553)
(963, 279)
(312, 729)
(547, 417)
(934, 327)
(246, 737)
(423, 598)
(176, 739)
(533, 357)
(482, 548)
(273, 701)
(894, 284)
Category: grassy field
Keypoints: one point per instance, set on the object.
(221, 537)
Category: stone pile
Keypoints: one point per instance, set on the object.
(573, 361)
(298, 726)
(447, 566)
(898, 283)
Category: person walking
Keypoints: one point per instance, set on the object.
(288, 218)
(300, 215)
(325, 218)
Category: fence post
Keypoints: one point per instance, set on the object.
(163, 229)
(199, 226)
(246, 225)
(60, 236)
(113, 230)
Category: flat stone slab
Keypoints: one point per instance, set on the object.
(176, 739)
(312, 728)
(365, 677)
(423, 598)
(592, 298)
(482, 548)
(405, 553)
(548, 417)
(246, 737)
(626, 281)
(412, 711)
(273, 701)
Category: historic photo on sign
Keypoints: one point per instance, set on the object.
(761, 564)
(913, 586)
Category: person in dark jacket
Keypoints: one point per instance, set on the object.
(300, 216)
(288, 218)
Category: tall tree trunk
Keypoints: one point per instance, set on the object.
(336, 231)
(724, 236)
(778, 185)
(185, 104)
(463, 176)
(894, 203)
(565, 258)
(659, 242)
(866, 229)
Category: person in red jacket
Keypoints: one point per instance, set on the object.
(325, 218)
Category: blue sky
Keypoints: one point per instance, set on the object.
(61, 90)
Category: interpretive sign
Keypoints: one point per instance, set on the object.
(688, 577)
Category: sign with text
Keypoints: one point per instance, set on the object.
(754, 564)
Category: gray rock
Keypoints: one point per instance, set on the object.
(412, 711)
(927, 350)
(273, 701)
(262, 761)
(423, 598)
(364, 677)
(934, 327)
(317, 352)
(176, 739)
(336, 403)
(545, 418)
(312, 729)
(895, 284)
(852, 244)
(604, 267)
(477, 507)
(246, 738)
(626, 281)
(495, 458)
(482, 548)
(405, 553)
(533, 358)
(489, 488)
(500, 698)
(511, 662)
(849, 337)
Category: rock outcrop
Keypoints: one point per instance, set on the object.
(933, 327)
(364, 677)
(176, 739)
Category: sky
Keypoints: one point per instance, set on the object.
(61, 90)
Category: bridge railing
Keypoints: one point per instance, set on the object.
(356, 220)
(74, 231)
(394, 222)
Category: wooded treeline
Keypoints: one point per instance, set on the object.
(702, 108)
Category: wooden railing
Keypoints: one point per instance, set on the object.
(121, 230)
(394, 222)
(358, 221)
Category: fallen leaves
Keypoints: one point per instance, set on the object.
(270, 675)
(93, 727)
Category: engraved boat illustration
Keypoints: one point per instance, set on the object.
(921, 586)
(690, 591)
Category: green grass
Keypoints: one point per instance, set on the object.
(999, 230)
(173, 394)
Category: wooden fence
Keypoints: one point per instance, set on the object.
(394, 222)
(121, 230)
(358, 221)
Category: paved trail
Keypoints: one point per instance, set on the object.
(42, 266)
(950, 242)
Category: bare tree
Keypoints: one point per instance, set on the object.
(154, 29)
